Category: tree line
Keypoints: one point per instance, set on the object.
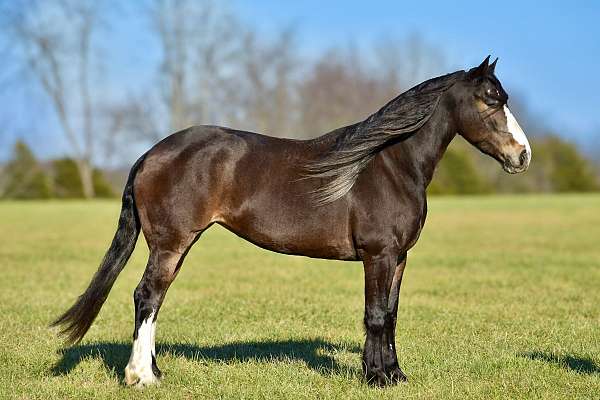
(24, 177)
(557, 166)
(223, 72)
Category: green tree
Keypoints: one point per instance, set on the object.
(101, 186)
(67, 182)
(557, 166)
(457, 174)
(570, 172)
(24, 176)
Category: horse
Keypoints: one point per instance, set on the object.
(357, 193)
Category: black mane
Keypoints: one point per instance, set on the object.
(354, 149)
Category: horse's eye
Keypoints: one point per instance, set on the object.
(492, 92)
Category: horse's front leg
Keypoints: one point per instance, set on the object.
(390, 358)
(383, 274)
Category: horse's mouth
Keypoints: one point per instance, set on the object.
(512, 169)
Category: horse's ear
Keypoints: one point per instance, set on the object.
(492, 67)
(481, 70)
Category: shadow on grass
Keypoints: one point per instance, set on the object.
(577, 364)
(315, 353)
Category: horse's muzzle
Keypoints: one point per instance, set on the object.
(521, 164)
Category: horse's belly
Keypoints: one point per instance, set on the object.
(317, 240)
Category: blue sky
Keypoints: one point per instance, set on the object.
(549, 52)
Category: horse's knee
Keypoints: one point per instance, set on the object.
(375, 321)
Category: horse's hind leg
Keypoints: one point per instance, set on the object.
(163, 266)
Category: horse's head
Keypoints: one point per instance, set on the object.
(483, 118)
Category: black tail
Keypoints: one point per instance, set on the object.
(76, 321)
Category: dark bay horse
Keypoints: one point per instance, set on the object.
(356, 193)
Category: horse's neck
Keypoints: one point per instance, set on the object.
(419, 154)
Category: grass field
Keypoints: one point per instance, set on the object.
(501, 299)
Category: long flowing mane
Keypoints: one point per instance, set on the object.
(353, 150)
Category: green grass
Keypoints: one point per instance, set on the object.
(500, 300)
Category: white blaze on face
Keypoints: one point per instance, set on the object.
(517, 133)
(139, 367)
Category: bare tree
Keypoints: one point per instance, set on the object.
(407, 61)
(171, 24)
(346, 85)
(340, 90)
(198, 43)
(212, 70)
(54, 40)
(216, 71)
(197, 40)
(264, 97)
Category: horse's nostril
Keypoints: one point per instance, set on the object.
(523, 157)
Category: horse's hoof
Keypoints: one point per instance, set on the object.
(140, 379)
(397, 376)
(377, 377)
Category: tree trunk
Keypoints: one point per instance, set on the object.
(86, 176)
